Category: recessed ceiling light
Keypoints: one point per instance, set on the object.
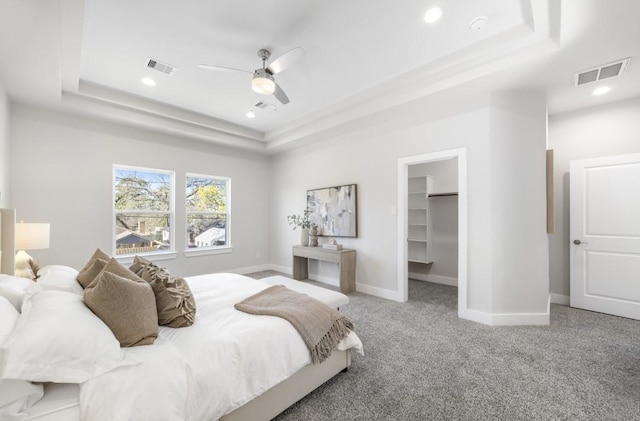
(433, 15)
(250, 114)
(478, 23)
(148, 81)
(601, 90)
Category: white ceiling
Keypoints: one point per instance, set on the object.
(361, 57)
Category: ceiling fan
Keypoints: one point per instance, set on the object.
(263, 81)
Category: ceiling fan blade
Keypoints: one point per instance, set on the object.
(280, 95)
(222, 69)
(286, 60)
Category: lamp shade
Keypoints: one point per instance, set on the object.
(32, 236)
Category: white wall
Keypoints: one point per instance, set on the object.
(367, 155)
(611, 129)
(520, 253)
(4, 148)
(62, 174)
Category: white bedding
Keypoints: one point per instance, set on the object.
(206, 370)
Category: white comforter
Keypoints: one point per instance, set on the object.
(225, 359)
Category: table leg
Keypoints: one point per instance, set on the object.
(300, 268)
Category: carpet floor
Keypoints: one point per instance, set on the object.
(423, 363)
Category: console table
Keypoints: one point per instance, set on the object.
(345, 258)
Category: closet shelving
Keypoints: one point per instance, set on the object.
(419, 226)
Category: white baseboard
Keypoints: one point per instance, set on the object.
(505, 319)
(560, 299)
(250, 269)
(379, 292)
(278, 268)
(436, 279)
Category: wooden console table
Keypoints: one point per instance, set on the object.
(345, 258)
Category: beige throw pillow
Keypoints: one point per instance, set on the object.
(174, 300)
(87, 276)
(127, 307)
(98, 254)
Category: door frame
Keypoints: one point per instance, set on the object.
(402, 212)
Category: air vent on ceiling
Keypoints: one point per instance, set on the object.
(602, 72)
(265, 106)
(165, 68)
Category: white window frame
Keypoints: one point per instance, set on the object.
(160, 254)
(227, 248)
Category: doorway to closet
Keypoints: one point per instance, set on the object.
(432, 218)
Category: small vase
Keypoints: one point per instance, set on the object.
(304, 239)
(313, 237)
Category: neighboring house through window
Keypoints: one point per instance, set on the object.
(143, 210)
(208, 210)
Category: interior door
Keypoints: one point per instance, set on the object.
(605, 235)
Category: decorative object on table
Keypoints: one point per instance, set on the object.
(29, 236)
(334, 210)
(332, 245)
(313, 236)
(304, 223)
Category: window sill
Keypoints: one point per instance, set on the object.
(128, 258)
(207, 251)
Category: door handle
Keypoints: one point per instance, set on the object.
(578, 242)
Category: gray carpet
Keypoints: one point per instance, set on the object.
(422, 363)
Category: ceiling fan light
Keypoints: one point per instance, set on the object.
(263, 86)
(263, 82)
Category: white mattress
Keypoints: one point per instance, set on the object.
(331, 298)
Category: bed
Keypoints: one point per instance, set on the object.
(228, 365)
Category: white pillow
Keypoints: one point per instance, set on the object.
(59, 277)
(58, 339)
(16, 396)
(13, 289)
(8, 318)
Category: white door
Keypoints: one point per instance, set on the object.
(605, 235)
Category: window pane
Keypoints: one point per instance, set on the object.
(206, 230)
(140, 233)
(206, 194)
(142, 190)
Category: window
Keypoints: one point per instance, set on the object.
(143, 210)
(207, 200)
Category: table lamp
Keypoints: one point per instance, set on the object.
(29, 237)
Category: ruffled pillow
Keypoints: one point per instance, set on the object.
(174, 300)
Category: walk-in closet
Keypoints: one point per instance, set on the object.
(432, 222)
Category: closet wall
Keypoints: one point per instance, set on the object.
(442, 222)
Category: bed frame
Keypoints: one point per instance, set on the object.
(283, 395)
(263, 407)
(7, 240)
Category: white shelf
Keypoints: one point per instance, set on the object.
(420, 261)
(418, 224)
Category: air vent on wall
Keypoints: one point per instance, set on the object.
(602, 72)
(165, 68)
(265, 106)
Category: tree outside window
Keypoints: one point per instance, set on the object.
(207, 206)
(143, 210)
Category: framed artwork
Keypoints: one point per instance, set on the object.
(334, 210)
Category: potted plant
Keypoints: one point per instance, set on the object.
(305, 225)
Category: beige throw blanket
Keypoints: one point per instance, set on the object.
(320, 326)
